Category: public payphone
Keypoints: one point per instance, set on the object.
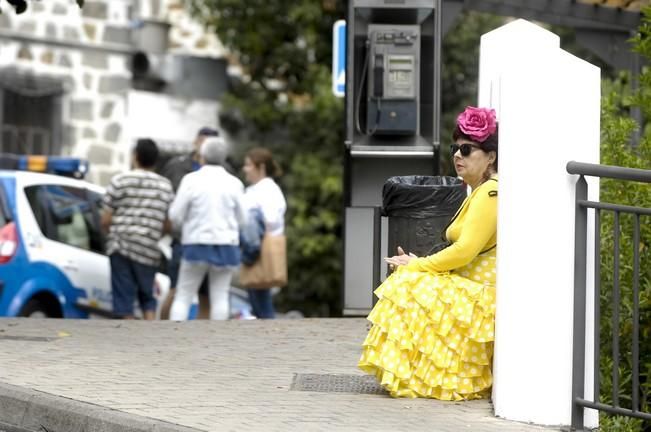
(393, 79)
(392, 125)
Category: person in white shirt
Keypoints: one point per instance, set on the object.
(209, 211)
(264, 194)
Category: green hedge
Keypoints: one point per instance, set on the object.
(618, 147)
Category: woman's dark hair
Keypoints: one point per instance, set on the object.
(261, 156)
(146, 152)
(489, 145)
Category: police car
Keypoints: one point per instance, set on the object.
(52, 249)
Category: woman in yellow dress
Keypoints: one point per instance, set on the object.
(433, 325)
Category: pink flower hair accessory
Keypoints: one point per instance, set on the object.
(477, 123)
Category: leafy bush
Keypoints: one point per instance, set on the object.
(616, 149)
(283, 101)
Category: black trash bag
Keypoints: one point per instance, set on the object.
(420, 197)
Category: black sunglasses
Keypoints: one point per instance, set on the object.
(465, 149)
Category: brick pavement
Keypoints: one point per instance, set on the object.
(208, 376)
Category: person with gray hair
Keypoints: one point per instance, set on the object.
(174, 170)
(214, 151)
(208, 211)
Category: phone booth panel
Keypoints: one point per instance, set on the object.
(392, 125)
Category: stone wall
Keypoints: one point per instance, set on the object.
(94, 106)
(94, 67)
(187, 36)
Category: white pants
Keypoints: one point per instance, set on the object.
(191, 275)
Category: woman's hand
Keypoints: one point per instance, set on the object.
(401, 259)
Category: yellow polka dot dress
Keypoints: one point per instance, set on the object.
(433, 325)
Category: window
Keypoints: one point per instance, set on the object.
(30, 113)
(68, 215)
(97, 240)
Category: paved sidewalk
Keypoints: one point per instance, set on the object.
(103, 375)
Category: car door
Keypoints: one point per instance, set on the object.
(67, 216)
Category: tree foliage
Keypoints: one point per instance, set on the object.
(616, 149)
(460, 72)
(283, 101)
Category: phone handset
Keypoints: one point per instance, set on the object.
(378, 89)
(378, 76)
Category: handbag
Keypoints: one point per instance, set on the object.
(270, 269)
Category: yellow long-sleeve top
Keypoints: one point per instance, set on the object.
(473, 230)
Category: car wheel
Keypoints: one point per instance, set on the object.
(35, 309)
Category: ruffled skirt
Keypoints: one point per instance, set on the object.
(432, 333)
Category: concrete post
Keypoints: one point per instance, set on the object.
(548, 105)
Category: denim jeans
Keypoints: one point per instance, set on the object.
(131, 280)
(262, 303)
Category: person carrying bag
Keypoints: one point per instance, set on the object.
(269, 270)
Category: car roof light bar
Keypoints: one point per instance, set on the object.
(60, 165)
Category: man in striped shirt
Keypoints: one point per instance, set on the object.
(136, 205)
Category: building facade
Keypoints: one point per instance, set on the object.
(88, 82)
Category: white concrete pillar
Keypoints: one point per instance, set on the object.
(548, 104)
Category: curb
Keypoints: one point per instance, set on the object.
(35, 411)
